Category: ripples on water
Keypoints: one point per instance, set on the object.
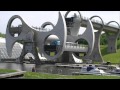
(46, 68)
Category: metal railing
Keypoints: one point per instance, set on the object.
(97, 21)
(76, 47)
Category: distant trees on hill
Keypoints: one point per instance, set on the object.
(2, 35)
(103, 39)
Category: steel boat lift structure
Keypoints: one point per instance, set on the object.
(66, 30)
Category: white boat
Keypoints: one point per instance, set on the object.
(102, 68)
(91, 70)
(115, 70)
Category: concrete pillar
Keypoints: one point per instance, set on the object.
(112, 43)
(29, 47)
(96, 53)
(66, 57)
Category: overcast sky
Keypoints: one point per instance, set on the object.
(37, 18)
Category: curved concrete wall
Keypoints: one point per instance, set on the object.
(29, 34)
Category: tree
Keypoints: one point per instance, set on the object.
(2, 35)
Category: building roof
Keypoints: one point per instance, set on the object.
(17, 49)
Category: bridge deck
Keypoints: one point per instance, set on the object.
(97, 25)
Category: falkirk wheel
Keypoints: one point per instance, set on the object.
(66, 31)
(59, 44)
(34, 41)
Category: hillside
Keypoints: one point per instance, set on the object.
(112, 57)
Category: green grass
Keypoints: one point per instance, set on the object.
(118, 44)
(81, 54)
(52, 54)
(6, 71)
(103, 50)
(33, 75)
(112, 57)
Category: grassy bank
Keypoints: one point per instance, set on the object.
(33, 75)
(6, 71)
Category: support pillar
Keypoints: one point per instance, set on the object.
(66, 57)
(112, 45)
(96, 54)
(111, 39)
(29, 47)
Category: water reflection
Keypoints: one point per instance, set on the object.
(45, 68)
(15, 66)
(55, 70)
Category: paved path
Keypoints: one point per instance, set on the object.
(12, 75)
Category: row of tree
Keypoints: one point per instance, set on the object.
(2, 35)
(103, 39)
